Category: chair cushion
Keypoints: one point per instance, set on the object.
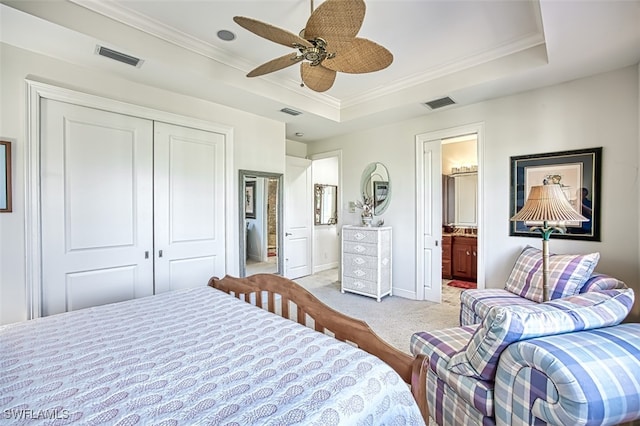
(567, 274)
(505, 325)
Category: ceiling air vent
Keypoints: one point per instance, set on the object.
(290, 111)
(119, 56)
(439, 103)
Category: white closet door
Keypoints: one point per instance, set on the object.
(298, 218)
(189, 206)
(96, 194)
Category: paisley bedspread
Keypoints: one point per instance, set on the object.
(188, 357)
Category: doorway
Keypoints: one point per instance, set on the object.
(433, 207)
(326, 234)
(459, 210)
(260, 201)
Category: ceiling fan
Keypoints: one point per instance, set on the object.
(327, 44)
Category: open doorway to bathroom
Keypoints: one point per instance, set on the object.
(459, 211)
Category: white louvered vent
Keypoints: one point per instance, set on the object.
(290, 111)
(440, 103)
(119, 56)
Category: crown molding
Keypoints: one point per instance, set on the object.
(157, 29)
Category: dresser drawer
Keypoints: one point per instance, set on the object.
(360, 236)
(361, 273)
(360, 285)
(357, 261)
(362, 249)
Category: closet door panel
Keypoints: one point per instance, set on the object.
(189, 206)
(96, 194)
(189, 272)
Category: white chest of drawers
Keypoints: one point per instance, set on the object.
(366, 260)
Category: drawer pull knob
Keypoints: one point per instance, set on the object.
(359, 236)
(359, 273)
(359, 260)
(359, 249)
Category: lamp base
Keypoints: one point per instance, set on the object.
(545, 270)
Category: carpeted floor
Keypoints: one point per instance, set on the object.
(395, 318)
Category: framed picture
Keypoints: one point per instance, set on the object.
(250, 199)
(578, 173)
(5, 176)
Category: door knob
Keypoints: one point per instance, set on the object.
(286, 234)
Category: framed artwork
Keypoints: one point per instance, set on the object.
(5, 177)
(577, 172)
(250, 199)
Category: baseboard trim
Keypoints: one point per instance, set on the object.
(325, 267)
(407, 294)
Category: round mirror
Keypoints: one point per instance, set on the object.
(376, 185)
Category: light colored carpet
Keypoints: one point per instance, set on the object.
(395, 318)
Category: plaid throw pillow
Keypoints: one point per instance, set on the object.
(567, 274)
(599, 281)
(505, 325)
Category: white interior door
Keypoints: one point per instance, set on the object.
(188, 202)
(96, 201)
(431, 220)
(298, 218)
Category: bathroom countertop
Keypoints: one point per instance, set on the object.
(459, 234)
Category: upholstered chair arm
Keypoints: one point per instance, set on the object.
(580, 378)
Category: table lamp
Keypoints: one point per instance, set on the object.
(547, 203)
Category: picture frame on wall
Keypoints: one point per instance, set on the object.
(5, 176)
(578, 172)
(250, 199)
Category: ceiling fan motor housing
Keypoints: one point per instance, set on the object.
(317, 53)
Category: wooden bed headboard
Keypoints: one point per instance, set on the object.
(288, 299)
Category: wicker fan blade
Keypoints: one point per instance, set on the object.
(340, 18)
(270, 32)
(317, 78)
(275, 64)
(357, 56)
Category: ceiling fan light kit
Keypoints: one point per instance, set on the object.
(327, 45)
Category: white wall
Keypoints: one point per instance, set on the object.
(296, 149)
(597, 111)
(258, 144)
(326, 241)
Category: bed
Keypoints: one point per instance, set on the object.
(206, 356)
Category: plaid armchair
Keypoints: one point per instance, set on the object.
(563, 362)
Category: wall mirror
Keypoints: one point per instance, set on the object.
(376, 184)
(466, 199)
(260, 198)
(325, 204)
(460, 199)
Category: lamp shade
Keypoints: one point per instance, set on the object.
(548, 203)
